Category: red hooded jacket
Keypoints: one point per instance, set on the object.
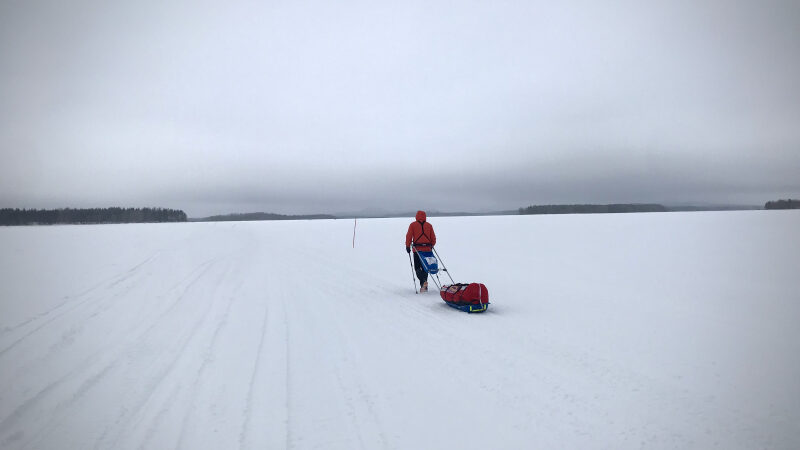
(421, 232)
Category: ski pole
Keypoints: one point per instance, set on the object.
(412, 274)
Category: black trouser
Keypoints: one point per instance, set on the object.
(421, 274)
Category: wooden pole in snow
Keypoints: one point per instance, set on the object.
(354, 231)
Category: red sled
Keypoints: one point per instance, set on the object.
(467, 297)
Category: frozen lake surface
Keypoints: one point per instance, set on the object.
(666, 330)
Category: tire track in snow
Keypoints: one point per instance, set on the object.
(158, 419)
(69, 337)
(105, 370)
(74, 304)
(158, 377)
(20, 412)
(337, 356)
(64, 406)
(208, 357)
(253, 377)
(274, 379)
(108, 282)
(172, 410)
(265, 415)
(288, 375)
(8, 424)
(200, 272)
(171, 399)
(357, 389)
(348, 376)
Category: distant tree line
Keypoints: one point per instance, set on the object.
(10, 216)
(261, 216)
(593, 209)
(783, 204)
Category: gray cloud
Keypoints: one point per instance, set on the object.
(315, 107)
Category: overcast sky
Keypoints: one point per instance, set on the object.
(319, 106)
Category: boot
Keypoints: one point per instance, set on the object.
(424, 287)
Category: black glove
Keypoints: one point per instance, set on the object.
(408, 249)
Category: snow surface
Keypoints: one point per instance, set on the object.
(665, 330)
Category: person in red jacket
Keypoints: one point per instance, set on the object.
(420, 235)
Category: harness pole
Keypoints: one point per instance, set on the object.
(355, 220)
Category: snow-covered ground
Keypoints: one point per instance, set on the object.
(671, 330)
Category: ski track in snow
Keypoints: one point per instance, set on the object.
(608, 331)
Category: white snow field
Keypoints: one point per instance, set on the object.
(666, 330)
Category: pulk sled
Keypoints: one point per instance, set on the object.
(467, 297)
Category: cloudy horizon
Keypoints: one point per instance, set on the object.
(313, 107)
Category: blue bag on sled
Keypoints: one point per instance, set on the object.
(429, 262)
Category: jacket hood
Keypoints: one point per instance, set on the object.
(421, 216)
